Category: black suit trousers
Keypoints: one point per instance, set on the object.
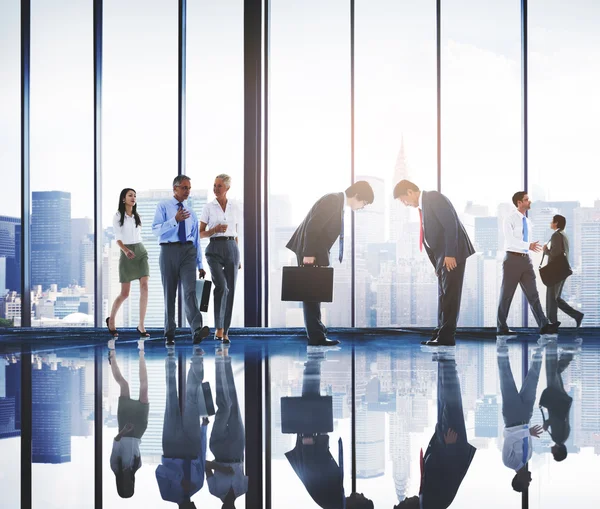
(450, 285)
(315, 329)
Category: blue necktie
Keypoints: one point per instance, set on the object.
(341, 463)
(182, 235)
(525, 449)
(525, 232)
(342, 238)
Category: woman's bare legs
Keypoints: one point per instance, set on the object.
(122, 297)
(143, 373)
(143, 301)
(116, 372)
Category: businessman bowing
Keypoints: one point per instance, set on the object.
(448, 247)
(313, 239)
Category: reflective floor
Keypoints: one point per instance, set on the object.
(382, 422)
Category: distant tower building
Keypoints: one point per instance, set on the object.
(51, 414)
(486, 417)
(81, 228)
(51, 239)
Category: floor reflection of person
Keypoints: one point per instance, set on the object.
(225, 474)
(181, 472)
(132, 417)
(517, 409)
(311, 458)
(556, 400)
(449, 454)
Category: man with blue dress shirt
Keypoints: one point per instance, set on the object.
(517, 409)
(517, 268)
(176, 226)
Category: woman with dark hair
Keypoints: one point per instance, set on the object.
(558, 246)
(133, 263)
(132, 418)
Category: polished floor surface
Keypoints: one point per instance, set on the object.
(270, 422)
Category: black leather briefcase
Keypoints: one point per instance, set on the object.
(203, 294)
(556, 271)
(307, 284)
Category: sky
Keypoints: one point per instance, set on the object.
(309, 102)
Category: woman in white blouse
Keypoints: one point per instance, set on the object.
(133, 263)
(219, 222)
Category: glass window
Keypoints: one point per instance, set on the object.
(63, 428)
(481, 140)
(10, 162)
(563, 64)
(62, 164)
(139, 137)
(10, 429)
(395, 124)
(215, 111)
(309, 138)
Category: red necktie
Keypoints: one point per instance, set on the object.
(422, 463)
(421, 231)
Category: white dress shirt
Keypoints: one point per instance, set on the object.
(213, 215)
(512, 452)
(219, 483)
(513, 233)
(128, 233)
(127, 448)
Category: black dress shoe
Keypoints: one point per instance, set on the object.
(200, 334)
(550, 328)
(505, 332)
(438, 342)
(324, 342)
(169, 340)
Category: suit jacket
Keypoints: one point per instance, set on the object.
(318, 471)
(444, 471)
(557, 401)
(320, 229)
(445, 235)
(559, 246)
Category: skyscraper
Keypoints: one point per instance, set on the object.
(81, 228)
(13, 265)
(51, 239)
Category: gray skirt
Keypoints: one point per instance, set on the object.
(130, 270)
(133, 411)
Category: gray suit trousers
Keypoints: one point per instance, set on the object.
(518, 270)
(178, 263)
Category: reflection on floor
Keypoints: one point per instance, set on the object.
(454, 427)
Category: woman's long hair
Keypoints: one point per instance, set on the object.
(138, 221)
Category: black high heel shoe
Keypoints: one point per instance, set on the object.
(144, 334)
(113, 332)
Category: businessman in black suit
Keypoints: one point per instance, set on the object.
(448, 247)
(449, 455)
(311, 458)
(313, 239)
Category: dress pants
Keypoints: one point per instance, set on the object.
(554, 303)
(178, 263)
(518, 270)
(227, 439)
(223, 257)
(450, 283)
(315, 329)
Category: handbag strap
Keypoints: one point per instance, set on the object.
(542, 261)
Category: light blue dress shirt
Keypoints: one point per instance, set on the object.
(166, 228)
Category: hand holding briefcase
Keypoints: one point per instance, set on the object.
(307, 284)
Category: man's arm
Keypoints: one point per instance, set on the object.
(444, 212)
(320, 216)
(196, 240)
(161, 223)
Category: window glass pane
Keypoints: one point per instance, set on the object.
(62, 163)
(63, 428)
(481, 140)
(215, 111)
(139, 136)
(563, 107)
(396, 126)
(309, 138)
(10, 429)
